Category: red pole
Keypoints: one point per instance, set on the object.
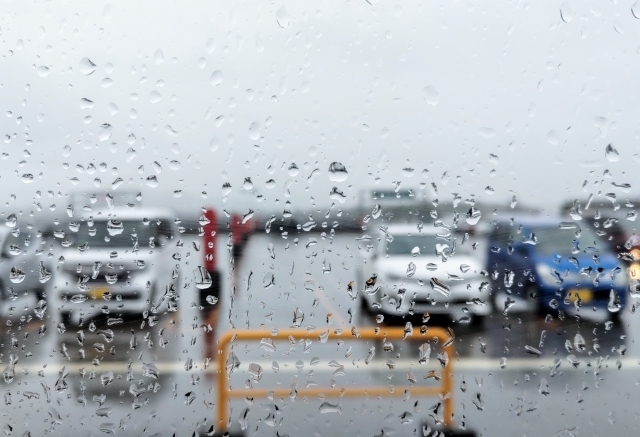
(236, 228)
(210, 238)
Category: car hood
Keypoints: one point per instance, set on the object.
(398, 265)
(126, 258)
(607, 262)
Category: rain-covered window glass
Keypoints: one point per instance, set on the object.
(305, 218)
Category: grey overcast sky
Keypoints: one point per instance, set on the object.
(216, 92)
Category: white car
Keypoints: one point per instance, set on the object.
(432, 271)
(116, 264)
(25, 268)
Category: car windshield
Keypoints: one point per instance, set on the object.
(115, 234)
(554, 240)
(422, 245)
(16, 244)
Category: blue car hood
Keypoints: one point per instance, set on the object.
(607, 262)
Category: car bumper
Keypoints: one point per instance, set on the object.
(422, 299)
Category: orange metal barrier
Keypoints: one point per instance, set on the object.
(225, 392)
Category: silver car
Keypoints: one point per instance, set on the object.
(25, 269)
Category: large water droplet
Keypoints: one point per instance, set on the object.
(430, 95)
(254, 130)
(87, 67)
(282, 17)
(154, 96)
(611, 154)
(105, 132)
(635, 9)
(473, 216)
(16, 275)
(338, 195)
(152, 181)
(326, 407)
(203, 278)
(11, 220)
(150, 370)
(440, 286)
(269, 280)
(79, 298)
(106, 378)
(158, 57)
(566, 13)
(411, 270)
(216, 78)
(293, 170)
(337, 172)
(43, 71)
(115, 227)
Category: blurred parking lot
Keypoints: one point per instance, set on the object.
(279, 283)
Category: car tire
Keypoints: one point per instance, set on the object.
(478, 321)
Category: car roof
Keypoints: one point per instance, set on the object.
(530, 220)
(134, 214)
(427, 229)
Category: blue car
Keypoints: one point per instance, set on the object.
(543, 264)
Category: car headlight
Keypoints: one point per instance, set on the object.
(547, 275)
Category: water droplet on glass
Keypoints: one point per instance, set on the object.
(611, 154)
(473, 216)
(440, 286)
(43, 71)
(10, 371)
(16, 275)
(115, 227)
(430, 95)
(11, 220)
(150, 370)
(579, 343)
(87, 67)
(254, 130)
(282, 17)
(105, 132)
(44, 274)
(79, 298)
(203, 278)
(154, 96)
(411, 270)
(293, 170)
(106, 378)
(158, 57)
(216, 78)
(269, 280)
(614, 304)
(255, 370)
(424, 352)
(566, 12)
(337, 172)
(326, 407)
(337, 194)
(152, 181)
